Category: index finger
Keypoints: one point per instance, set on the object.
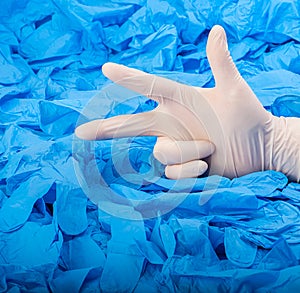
(152, 86)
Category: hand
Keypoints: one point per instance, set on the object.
(226, 124)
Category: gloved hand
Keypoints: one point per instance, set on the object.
(225, 125)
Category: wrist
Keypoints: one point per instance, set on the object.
(283, 146)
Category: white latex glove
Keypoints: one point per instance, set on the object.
(245, 137)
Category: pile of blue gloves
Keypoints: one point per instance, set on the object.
(243, 236)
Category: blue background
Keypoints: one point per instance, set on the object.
(244, 238)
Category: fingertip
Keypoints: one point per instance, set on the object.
(201, 168)
(217, 32)
(88, 131)
(160, 156)
(119, 73)
(109, 69)
(217, 40)
(169, 172)
(79, 132)
(159, 150)
(212, 148)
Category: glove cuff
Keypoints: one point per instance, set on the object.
(283, 146)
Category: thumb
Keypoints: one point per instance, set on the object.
(223, 68)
